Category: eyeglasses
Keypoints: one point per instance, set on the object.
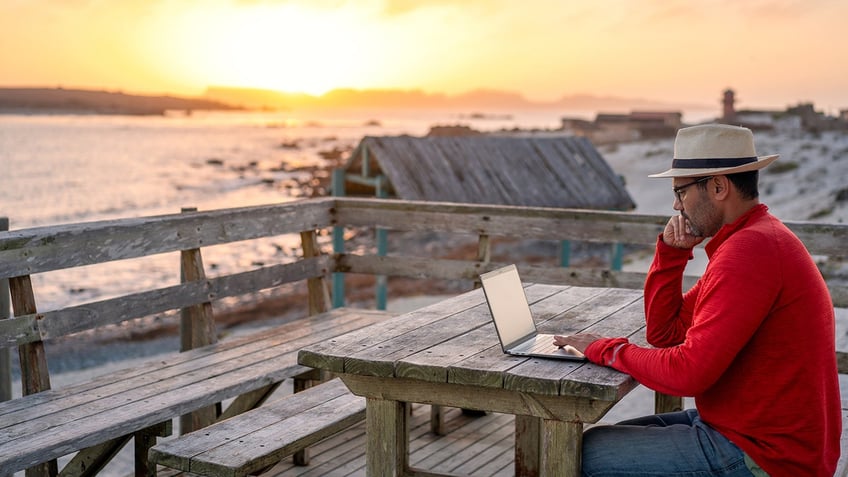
(677, 190)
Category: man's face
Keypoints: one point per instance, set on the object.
(696, 206)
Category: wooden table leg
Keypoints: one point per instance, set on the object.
(387, 434)
(562, 444)
(528, 438)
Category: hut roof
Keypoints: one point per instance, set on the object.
(528, 171)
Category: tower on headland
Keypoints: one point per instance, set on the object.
(728, 115)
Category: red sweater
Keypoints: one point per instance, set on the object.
(753, 341)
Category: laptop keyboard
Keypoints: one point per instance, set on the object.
(541, 343)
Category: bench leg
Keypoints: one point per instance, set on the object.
(437, 420)
(91, 460)
(47, 469)
(199, 419)
(248, 401)
(144, 440)
(300, 383)
(301, 457)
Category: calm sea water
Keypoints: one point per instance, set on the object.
(58, 169)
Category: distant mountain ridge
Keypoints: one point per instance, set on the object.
(219, 98)
(417, 99)
(76, 101)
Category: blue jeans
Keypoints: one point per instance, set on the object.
(676, 443)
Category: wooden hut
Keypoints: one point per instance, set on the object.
(528, 171)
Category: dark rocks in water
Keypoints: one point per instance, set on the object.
(332, 154)
(453, 130)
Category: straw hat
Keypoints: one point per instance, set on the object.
(714, 149)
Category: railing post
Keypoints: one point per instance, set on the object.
(617, 257)
(484, 254)
(5, 312)
(318, 297)
(382, 247)
(564, 253)
(197, 324)
(197, 328)
(33, 360)
(338, 189)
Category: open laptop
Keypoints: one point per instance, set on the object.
(513, 320)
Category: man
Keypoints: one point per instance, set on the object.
(753, 341)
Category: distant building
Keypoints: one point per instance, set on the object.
(566, 172)
(751, 119)
(802, 117)
(728, 111)
(609, 128)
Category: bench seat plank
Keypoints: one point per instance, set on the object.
(258, 439)
(47, 425)
(270, 357)
(160, 368)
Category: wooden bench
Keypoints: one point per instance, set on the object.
(252, 442)
(103, 414)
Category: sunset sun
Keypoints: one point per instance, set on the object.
(279, 47)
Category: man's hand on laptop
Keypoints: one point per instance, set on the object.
(581, 341)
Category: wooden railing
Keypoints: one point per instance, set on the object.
(46, 249)
(488, 222)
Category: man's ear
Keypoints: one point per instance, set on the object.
(719, 186)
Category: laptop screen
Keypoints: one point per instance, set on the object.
(508, 305)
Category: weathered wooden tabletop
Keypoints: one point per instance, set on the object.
(448, 354)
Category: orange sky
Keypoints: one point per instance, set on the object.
(773, 53)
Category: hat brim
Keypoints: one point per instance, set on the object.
(762, 161)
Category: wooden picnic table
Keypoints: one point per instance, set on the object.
(448, 354)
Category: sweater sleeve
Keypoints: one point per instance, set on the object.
(668, 314)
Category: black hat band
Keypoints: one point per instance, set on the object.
(712, 163)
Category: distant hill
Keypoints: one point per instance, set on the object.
(77, 101)
(417, 99)
(219, 98)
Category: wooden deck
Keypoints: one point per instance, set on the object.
(476, 446)
(473, 446)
